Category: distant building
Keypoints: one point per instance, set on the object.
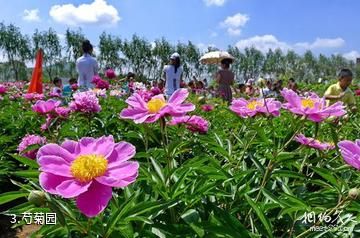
(358, 61)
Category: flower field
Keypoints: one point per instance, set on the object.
(114, 165)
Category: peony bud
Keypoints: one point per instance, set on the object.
(354, 193)
(37, 198)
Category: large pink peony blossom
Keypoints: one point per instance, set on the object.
(148, 112)
(87, 170)
(63, 112)
(30, 140)
(193, 123)
(249, 108)
(3, 89)
(110, 73)
(45, 107)
(350, 151)
(85, 102)
(312, 106)
(313, 143)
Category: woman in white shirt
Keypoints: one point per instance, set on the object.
(172, 75)
(86, 66)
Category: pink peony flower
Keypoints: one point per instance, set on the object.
(313, 107)
(45, 107)
(100, 92)
(350, 151)
(207, 107)
(193, 123)
(96, 79)
(85, 102)
(87, 170)
(63, 112)
(249, 108)
(357, 92)
(110, 73)
(102, 84)
(3, 89)
(148, 112)
(30, 140)
(155, 91)
(313, 143)
(33, 96)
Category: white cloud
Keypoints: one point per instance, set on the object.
(352, 55)
(234, 23)
(263, 43)
(238, 20)
(31, 15)
(322, 43)
(218, 3)
(233, 32)
(266, 42)
(97, 12)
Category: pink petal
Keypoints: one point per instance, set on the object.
(55, 165)
(56, 150)
(49, 182)
(69, 145)
(72, 188)
(94, 200)
(121, 175)
(178, 96)
(123, 151)
(137, 101)
(101, 146)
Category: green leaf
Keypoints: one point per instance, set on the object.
(10, 196)
(29, 162)
(326, 174)
(261, 215)
(27, 173)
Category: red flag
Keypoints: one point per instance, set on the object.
(36, 81)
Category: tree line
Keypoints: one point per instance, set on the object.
(147, 59)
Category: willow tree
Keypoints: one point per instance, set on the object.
(49, 42)
(16, 48)
(109, 47)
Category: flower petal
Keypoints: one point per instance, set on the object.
(123, 151)
(56, 150)
(94, 200)
(121, 175)
(55, 165)
(72, 188)
(49, 182)
(179, 96)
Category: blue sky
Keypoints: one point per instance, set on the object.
(324, 26)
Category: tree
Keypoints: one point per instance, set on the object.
(137, 52)
(109, 47)
(16, 48)
(160, 52)
(73, 48)
(49, 42)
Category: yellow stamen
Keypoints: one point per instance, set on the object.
(254, 104)
(307, 103)
(155, 105)
(87, 167)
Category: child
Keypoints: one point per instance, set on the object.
(57, 90)
(341, 91)
(67, 90)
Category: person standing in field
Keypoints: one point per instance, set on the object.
(86, 66)
(172, 75)
(225, 78)
(341, 91)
